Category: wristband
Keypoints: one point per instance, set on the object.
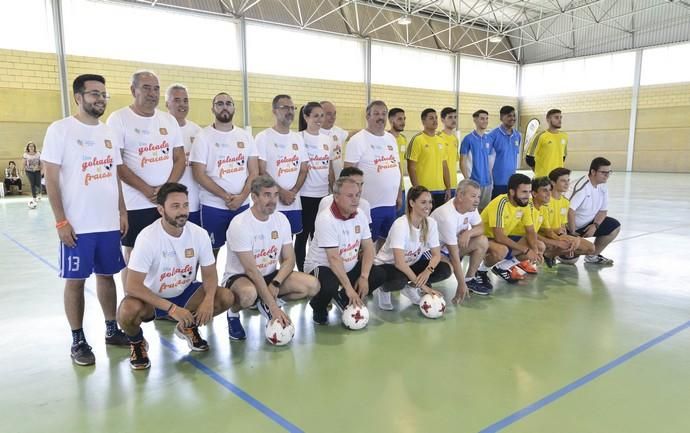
(430, 268)
(526, 251)
(596, 225)
(171, 309)
(61, 224)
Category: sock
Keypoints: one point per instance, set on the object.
(505, 264)
(136, 338)
(469, 279)
(483, 268)
(110, 327)
(233, 314)
(78, 336)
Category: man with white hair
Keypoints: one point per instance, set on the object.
(177, 103)
(337, 134)
(150, 142)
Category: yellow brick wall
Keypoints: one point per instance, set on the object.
(597, 123)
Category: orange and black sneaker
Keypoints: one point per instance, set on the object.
(527, 266)
(516, 274)
(192, 337)
(139, 358)
(507, 275)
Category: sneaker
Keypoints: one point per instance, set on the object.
(475, 285)
(117, 338)
(384, 299)
(81, 354)
(139, 358)
(340, 299)
(319, 317)
(505, 274)
(483, 277)
(528, 267)
(191, 335)
(412, 293)
(517, 273)
(235, 329)
(598, 260)
(550, 261)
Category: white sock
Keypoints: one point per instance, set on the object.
(483, 268)
(505, 264)
(233, 314)
(469, 279)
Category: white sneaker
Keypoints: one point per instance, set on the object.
(384, 299)
(412, 293)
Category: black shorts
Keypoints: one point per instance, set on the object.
(605, 228)
(138, 220)
(267, 278)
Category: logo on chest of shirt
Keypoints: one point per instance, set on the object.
(96, 168)
(295, 146)
(266, 257)
(357, 229)
(175, 277)
(108, 144)
(325, 147)
(562, 140)
(390, 148)
(274, 234)
(240, 144)
(518, 214)
(86, 143)
(349, 251)
(287, 164)
(153, 153)
(517, 143)
(383, 162)
(191, 139)
(230, 165)
(163, 131)
(189, 253)
(466, 221)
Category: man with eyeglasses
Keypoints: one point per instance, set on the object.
(177, 103)
(81, 163)
(283, 156)
(224, 161)
(150, 142)
(587, 216)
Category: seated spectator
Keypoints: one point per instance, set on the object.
(12, 177)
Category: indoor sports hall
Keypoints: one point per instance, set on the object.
(579, 347)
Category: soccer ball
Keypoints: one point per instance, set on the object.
(355, 317)
(277, 335)
(432, 306)
(32, 204)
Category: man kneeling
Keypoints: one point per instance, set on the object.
(161, 277)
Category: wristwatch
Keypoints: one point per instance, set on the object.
(276, 283)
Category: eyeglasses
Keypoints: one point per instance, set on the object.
(96, 94)
(221, 104)
(286, 107)
(605, 172)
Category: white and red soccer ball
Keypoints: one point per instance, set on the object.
(432, 306)
(278, 335)
(355, 317)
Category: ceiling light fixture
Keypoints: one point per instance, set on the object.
(405, 20)
(495, 39)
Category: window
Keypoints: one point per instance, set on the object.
(27, 25)
(487, 77)
(665, 65)
(411, 67)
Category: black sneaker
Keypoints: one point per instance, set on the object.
(550, 261)
(264, 310)
(139, 358)
(505, 274)
(117, 338)
(341, 299)
(192, 337)
(318, 316)
(477, 287)
(81, 354)
(483, 278)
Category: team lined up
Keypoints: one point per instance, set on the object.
(145, 173)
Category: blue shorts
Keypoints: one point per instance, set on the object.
(403, 205)
(295, 219)
(181, 299)
(195, 217)
(382, 218)
(216, 221)
(95, 253)
(510, 251)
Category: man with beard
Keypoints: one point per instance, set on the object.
(449, 119)
(500, 218)
(152, 150)
(374, 151)
(224, 161)
(396, 120)
(505, 146)
(338, 136)
(549, 148)
(86, 197)
(261, 260)
(177, 103)
(283, 156)
(162, 277)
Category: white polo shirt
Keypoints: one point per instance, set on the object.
(451, 223)
(586, 200)
(364, 206)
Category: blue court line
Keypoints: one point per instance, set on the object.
(528, 410)
(239, 392)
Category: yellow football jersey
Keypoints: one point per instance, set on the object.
(428, 152)
(501, 213)
(548, 150)
(452, 144)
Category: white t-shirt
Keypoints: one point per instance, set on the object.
(337, 138)
(377, 157)
(284, 154)
(319, 151)
(147, 144)
(88, 160)
(331, 232)
(226, 156)
(403, 236)
(190, 131)
(327, 201)
(451, 223)
(265, 239)
(586, 200)
(169, 262)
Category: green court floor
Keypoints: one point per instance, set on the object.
(576, 349)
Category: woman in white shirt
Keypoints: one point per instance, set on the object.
(320, 176)
(32, 168)
(411, 255)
